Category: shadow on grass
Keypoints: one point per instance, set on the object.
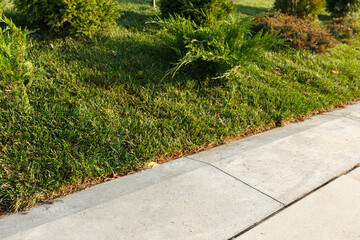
(141, 2)
(250, 11)
(110, 61)
(107, 61)
(18, 19)
(134, 20)
(42, 32)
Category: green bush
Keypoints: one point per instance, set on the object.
(77, 17)
(14, 68)
(198, 10)
(299, 33)
(215, 49)
(342, 8)
(15, 71)
(300, 8)
(4, 4)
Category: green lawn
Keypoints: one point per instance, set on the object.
(250, 7)
(103, 106)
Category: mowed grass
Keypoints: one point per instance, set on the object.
(103, 106)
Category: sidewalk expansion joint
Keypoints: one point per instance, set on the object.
(329, 114)
(352, 118)
(348, 116)
(237, 179)
(292, 203)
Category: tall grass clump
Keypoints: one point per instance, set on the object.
(214, 49)
(76, 17)
(197, 10)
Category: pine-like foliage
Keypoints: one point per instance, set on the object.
(342, 8)
(16, 73)
(78, 17)
(215, 48)
(300, 8)
(4, 3)
(14, 69)
(197, 10)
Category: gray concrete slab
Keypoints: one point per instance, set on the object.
(95, 195)
(355, 174)
(355, 115)
(292, 166)
(331, 213)
(346, 111)
(259, 140)
(202, 204)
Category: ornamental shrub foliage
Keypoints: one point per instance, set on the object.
(298, 33)
(344, 28)
(199, 11)
(300, 8)
(16, 72)
(215, 49)
(14, 69)
(77, 17)
(342, 8)
(4, 3)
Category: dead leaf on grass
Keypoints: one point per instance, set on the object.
(153, 165)
(116, 175)
(277, 72)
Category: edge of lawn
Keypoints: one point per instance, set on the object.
(89, 182)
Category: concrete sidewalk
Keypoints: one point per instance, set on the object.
(214, 194)
(331, 213)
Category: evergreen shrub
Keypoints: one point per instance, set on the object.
(16, 73)
(342, 8)
(77, 17)
(4, 4)
(300, 8)
(197, 10)
(214, 49)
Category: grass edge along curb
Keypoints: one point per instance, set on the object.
(87, 183)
